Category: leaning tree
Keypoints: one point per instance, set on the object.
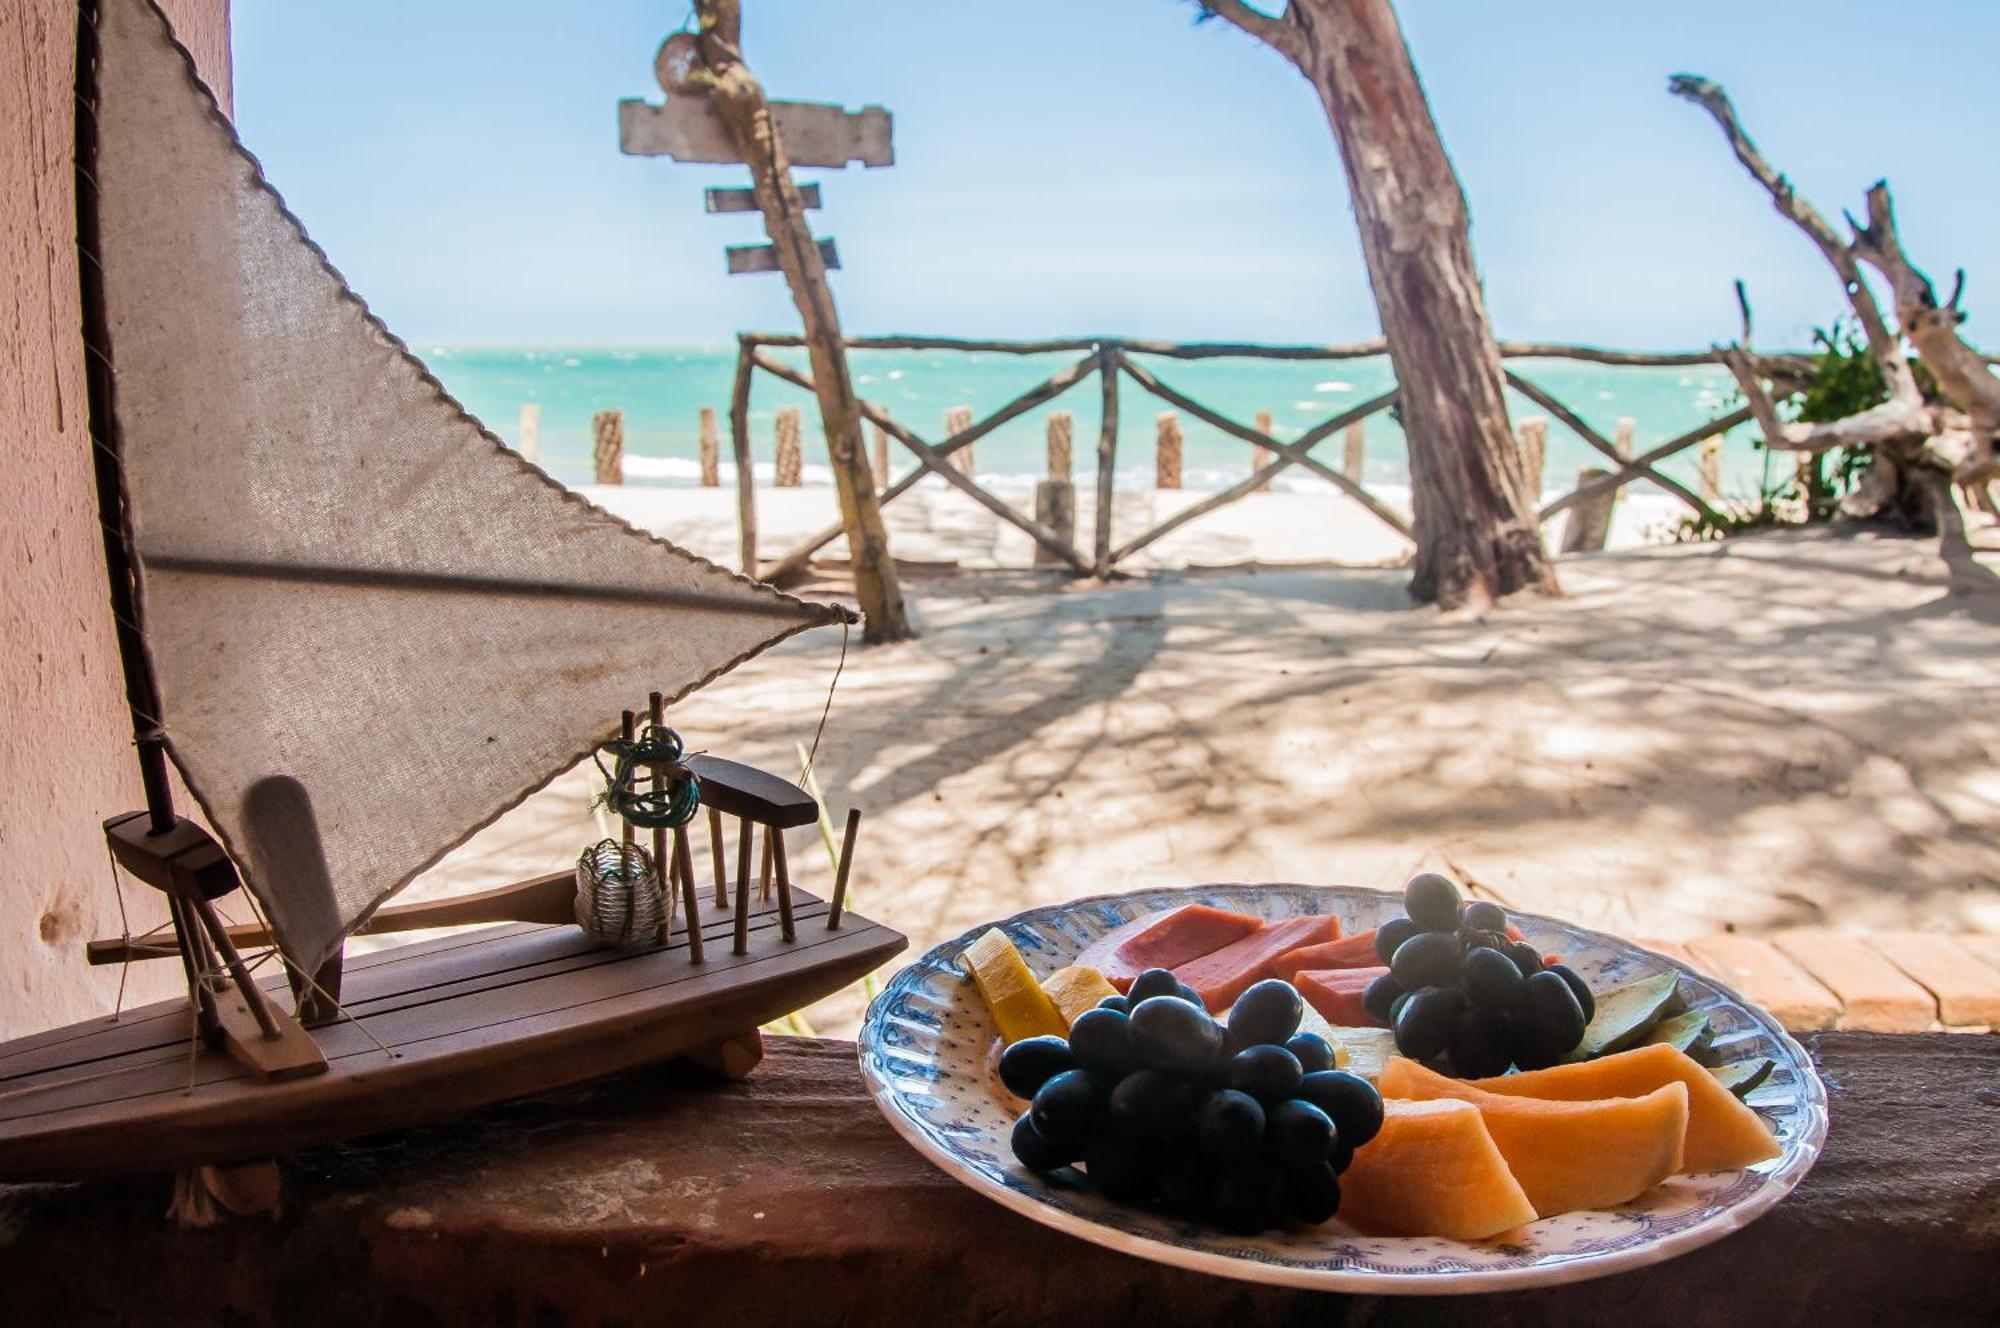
(1474, 516)
(1920, 442)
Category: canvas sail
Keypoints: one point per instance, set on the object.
(373, 628)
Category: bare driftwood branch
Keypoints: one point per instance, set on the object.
(1961, 372)
(1882, 342)
(1280, 32)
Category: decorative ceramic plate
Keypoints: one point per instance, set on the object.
(925, 1050)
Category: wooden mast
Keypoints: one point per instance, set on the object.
(264, 1038)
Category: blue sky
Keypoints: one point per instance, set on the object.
(1108, 165)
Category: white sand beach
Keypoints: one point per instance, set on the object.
(1759, 733)
(933, 523)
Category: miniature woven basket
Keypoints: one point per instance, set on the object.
(618, 896)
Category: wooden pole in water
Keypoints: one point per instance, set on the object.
(881, 463)
(711, 450)
(529, 442)
(1260, 456)
(1168, 445)
(956, 421)
(607, 428)
(789, 466)
(1355, 459)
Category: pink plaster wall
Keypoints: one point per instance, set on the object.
(65, 754)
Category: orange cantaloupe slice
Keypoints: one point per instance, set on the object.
(1723, 1133)
(1567, 1155)
(1433, 1170)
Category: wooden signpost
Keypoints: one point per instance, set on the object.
(716, 112)
(688, 128)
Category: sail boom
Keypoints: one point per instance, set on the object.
(453, 584)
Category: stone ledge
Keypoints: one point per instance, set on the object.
(787, 1199)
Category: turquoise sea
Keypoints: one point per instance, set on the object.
(661, 390)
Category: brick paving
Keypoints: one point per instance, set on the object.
(1883, 982)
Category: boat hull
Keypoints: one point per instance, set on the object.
(462, 1022)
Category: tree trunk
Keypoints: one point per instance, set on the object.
(1476, 533)
(728, 84)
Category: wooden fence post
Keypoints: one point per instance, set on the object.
(1260, 456)
(1534, 434)
(956, 421)
(881, 462)
(1711, 469)
(1109, 358)
(1356, 459)
(1062, 428)
(711, 450)
(607, 428)
(739, 446)
(1590, 519)
(529, 441)
(789, 466)
(1621, 443)
(1055, 497)
(1167, 451)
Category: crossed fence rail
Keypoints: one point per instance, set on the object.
(1110, 359)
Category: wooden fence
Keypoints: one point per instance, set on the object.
(1111, 360)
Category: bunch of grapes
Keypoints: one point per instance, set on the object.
(1462, 992)
(1246, 1126)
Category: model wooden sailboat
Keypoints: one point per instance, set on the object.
(362, 629)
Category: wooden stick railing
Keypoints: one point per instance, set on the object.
(1589, 435)
(1109, 358)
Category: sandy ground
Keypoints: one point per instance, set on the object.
(1775, 731)
(934, 523)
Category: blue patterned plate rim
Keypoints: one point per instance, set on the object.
(1333, 1258)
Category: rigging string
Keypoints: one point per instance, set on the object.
(846, 629)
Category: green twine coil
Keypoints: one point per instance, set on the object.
(657, 748)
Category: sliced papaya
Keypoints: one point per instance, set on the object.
(1723, 1133)
(1567, 1155)
(1356, 951)
(1220, 976)
(1336, 993)
(1433, 1170)
(1164, 940)
(1019, 1006)
(1076, 989)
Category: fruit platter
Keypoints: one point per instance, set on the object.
(1344, 1089)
